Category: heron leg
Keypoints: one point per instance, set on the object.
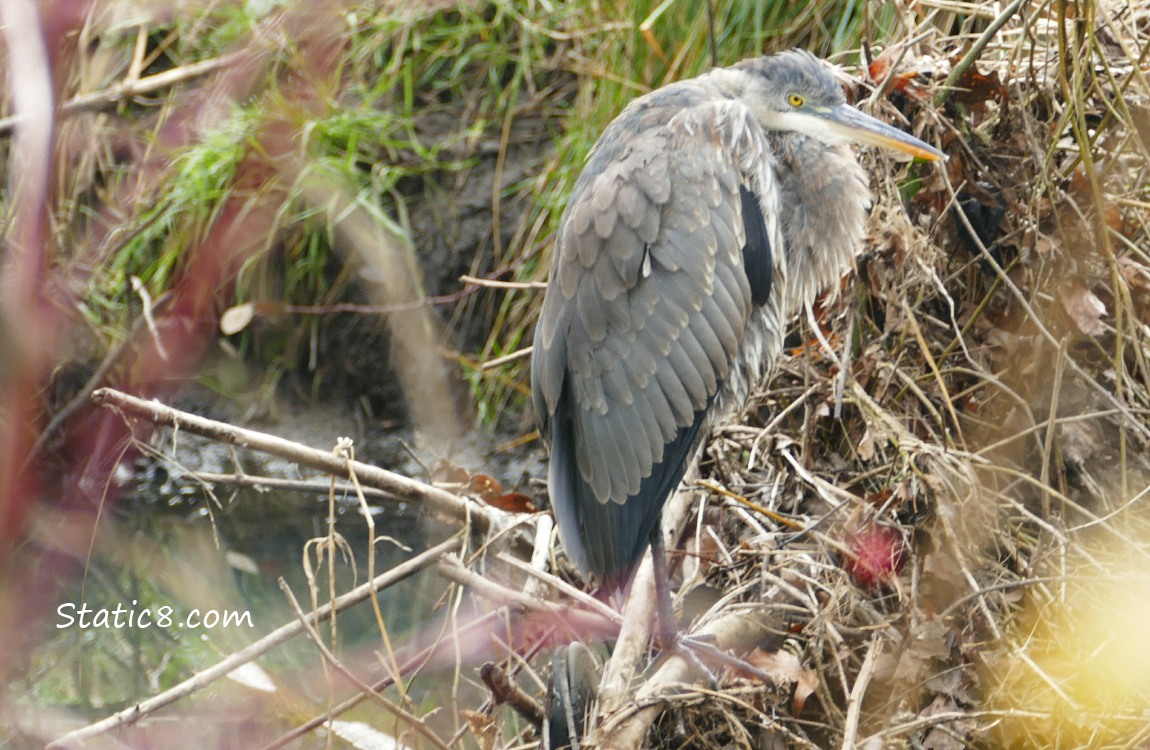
(669, 635)
(668, 628)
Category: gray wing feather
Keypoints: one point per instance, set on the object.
(618, 386)
(729, 302)
(662, 410)
(720, 327)
(669, 383)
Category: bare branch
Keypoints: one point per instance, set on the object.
(122, 92)
(483, 517)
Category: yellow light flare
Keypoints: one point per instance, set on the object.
(1077, 670)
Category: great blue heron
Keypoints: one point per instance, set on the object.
(708, 213)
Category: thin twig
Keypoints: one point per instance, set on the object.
(416, 723)
(580, 621)
(960, 68)
(307, 486)
(114, 95)
(561, 586)
(854, 702)
(496, 284)
(523, 353)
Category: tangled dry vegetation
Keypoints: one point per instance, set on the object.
(929, 528)
(982, 389)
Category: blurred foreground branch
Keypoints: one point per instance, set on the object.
(121, 92)
(484, 518)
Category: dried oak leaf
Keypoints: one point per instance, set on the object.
(1083, 307)
(974, 89)
(904, 80)
(486, 488)
(865, 447)
(1137, 276)
(786, 669)
(514, 502)
(489, 490)
(483, 728)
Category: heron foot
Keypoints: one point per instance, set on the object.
(703, 647)
(690, 649)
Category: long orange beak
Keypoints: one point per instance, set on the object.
(847, 122)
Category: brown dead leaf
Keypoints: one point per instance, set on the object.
(513, 502)
(1137, 276)
(807, 684)
(1079, 185)
(483, 728)
(865, 448)
(910, 670)
(786, 669)
(879, 498)
(445, 472)
(904, 80)
(1083, 307)
(706, 548)
(489, 490)
(484, 487)
(975, 89)
(942, 582)
(1115, 219)
(932, 640)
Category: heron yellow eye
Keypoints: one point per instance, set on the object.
(796, 100)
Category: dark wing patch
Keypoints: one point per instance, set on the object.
(757, 250)
(614, 536)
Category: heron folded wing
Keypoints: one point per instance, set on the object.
(692, 304)
(653, 303)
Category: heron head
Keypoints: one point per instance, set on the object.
(795, 91)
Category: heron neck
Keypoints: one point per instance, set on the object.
(825, 197)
